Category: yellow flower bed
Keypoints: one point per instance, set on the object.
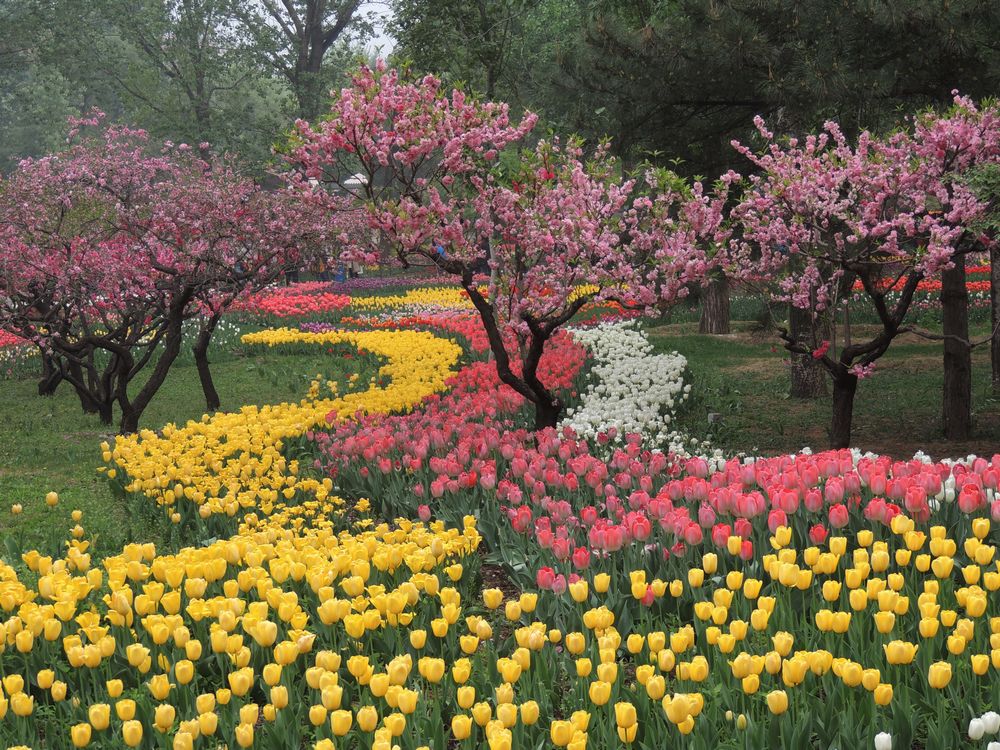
(446, 296)
(202, 643)
(232, 461)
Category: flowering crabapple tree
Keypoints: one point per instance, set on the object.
(820, 214)
(260, 232)
(106, 249)
(532, 233)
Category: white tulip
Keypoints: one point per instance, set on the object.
(993, 746)
(632, 389)
(883, 741)
(991, 720)
(976, 729)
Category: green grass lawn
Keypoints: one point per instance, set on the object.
(744, 378)
(49, 444)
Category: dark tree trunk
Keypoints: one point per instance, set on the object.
(956, 404)
(132, 408)
(94, 393)
(715, 307)
(548, 406)
(995, 317)
(129, 423)
(95, 404)
(808, 378)
(51, 376)
(105, 411)
(845, 385)
(200, 350)
(547, 414)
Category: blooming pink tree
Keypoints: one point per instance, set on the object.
(532, 235)
(106, 250)
(821, 214)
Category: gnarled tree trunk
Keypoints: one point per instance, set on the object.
(200, 351)
(845, 386)
(715, 307)
(808, 378)
(51, 375)
(956, 403)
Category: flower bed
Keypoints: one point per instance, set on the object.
(631, 390)
(231, 462)
(656, 599)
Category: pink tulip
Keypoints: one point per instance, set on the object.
(839, 516)
(544, 578)
(818, 534)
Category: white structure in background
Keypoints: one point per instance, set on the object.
(355, 182)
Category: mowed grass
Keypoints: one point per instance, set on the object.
(744, 378)
(49, 444)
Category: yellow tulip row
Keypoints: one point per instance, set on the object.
(229, 462)
(444, 296)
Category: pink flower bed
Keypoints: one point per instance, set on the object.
(9, 339)
(553, 505)
(296, 302)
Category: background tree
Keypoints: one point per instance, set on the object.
(470, 41)
(184, 70)
(295, 39)
(555, 231)
(107, 249)
(676, 80)
(192, 57)
(889, 213)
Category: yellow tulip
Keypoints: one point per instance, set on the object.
(777, 701)
(163, 717)
(900, 652)
(132, 733)
(208, 722)
(529, 713)
(599, 693)
(461, 726)
(80, 734)
(561, 732)
(244, 735)
(625, 714)
(980, 663)
(939, 675)
(465, 696)
(317, 714)
(367, 718)
(482, 713)
(125, 709)
(882, 694)
(99, 715)
(23, 705)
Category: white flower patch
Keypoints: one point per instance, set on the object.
(631, 389)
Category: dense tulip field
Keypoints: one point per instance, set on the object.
(399, 562)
